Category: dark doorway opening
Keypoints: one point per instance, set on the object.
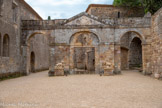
(84, 59)
(135, 54)
(32, 62)
(6, 45)
(124, 58)
(118, 14)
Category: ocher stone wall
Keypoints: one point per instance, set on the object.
(156, 59)
(106, 11)
(62, 54)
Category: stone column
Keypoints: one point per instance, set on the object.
(51, 40)
(51, 60)
(24, 64)
(117, 58)
(146, 57)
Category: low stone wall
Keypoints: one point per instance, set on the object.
(9, 75)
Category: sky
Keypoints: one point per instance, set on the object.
(62, 9)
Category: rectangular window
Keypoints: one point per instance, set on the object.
(118, 14)
(14, 10)
(1, 6)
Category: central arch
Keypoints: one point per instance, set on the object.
(84, 52)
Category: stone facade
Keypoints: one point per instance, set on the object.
(103, 39)
(86, 34)
(11, 53)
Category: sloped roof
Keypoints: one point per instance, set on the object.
(31, 9)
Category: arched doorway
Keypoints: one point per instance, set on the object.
(135, 53)
(32, 62)
(37, 47)
(84, 52)
(131, 51)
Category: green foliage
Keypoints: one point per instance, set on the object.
(49, 17)
(149, 5)
(132, 3)
(152, 5)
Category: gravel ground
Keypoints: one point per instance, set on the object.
(129, 90)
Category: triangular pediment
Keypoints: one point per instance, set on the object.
(83, 19)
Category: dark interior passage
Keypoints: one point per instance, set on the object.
(32, 62)
(135, 53)
(124, 58)
(6, 46)
(131, 51)
(84, 58)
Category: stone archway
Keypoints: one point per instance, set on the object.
(135, 53)
(40, 49)
(131, 51)
(84, 52)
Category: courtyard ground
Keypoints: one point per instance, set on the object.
(129, 90)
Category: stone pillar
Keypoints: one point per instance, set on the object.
(51, 61)
(51, 41)
(97, 60)
(24, 64)
(146, 57)
(117, 58)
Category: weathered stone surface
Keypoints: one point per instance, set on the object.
(156, 45)
(11, 14)
(105, 11)
(118, 35)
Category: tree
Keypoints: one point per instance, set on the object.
(152, 5)
(49, 17)
(148, 5)
(131, 3)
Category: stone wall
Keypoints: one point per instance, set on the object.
(106, 27)
(11, 63)
(156, 46)
(99, 39)
(106, 11)
(109, 32)
(62, 54)
(23, 12)
(12, 12)
(39, 45)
